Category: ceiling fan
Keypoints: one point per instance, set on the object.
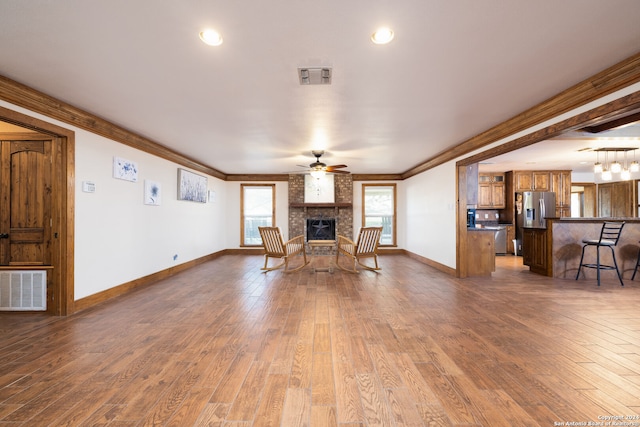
(317, 169)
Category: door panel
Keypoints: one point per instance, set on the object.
(25, 211)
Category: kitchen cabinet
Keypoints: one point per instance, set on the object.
(532, 181)
(511, 235)
(491, 191)
(561, 185)
(535, 251)
(615, 199)
(557, 181)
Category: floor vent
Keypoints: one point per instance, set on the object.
(23, 290)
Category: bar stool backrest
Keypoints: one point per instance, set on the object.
(610, 233)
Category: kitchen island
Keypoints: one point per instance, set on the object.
(559, 246)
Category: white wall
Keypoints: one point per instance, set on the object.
(117, 237)
(430, 216)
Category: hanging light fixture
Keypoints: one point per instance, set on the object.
(597, 167)
(616, 167)
(606, 172)
(634, 166)
(606, 169)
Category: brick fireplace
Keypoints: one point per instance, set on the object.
(341, 210)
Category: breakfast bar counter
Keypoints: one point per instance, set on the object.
(564, 246)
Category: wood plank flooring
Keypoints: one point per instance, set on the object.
(226, 345)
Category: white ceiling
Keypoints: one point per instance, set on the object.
(454, 69)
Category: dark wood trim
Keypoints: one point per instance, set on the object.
(261, 177)
(614, 78)
(320, 205)
(376, 177)
(612, 124)
(24, 96)
(431, 263)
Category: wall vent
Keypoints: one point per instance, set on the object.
(23, 290)
(315, 76)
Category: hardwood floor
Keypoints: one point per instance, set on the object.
(224, 344)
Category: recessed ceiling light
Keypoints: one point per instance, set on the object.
(382, 36)
(211, 37)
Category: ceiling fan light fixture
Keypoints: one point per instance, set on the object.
(634, 166)
(318, 173)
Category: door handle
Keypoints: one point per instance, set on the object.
(4, 235)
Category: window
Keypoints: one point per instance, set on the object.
(257, 209)
(379, 209)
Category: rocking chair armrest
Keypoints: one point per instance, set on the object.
(346, 245)
(295, 245)
(296, 240)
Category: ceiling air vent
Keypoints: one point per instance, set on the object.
(315, 76)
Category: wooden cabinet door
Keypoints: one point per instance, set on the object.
(541, 181)
(484, 196)
(561, 185)
(497, 195)
(523, 181)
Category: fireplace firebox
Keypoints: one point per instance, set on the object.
(321, 229)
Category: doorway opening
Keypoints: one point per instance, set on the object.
(48, 246)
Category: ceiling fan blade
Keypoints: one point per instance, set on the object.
(337, 171)
(336, 167)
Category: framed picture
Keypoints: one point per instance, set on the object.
(319, 190)
(125, 169)
(192, 187)
(152, 193)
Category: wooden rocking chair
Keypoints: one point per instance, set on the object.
(365, 247)
(275, 247)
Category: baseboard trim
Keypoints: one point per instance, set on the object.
(106, 295)
(431, 263)
(100, 297)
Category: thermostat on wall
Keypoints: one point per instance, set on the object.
(88, 187)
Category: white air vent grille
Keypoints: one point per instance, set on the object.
(315, 76)
(23, 290)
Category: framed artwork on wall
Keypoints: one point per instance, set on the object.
(125, 169)
(191, 186)
(152, 193)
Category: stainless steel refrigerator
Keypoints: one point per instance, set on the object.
(531, 208)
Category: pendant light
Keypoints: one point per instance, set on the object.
(597, 167)
(634, 166)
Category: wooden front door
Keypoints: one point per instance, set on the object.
(25, 201)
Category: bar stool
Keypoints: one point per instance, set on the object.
(635, 270)
(609, 236)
